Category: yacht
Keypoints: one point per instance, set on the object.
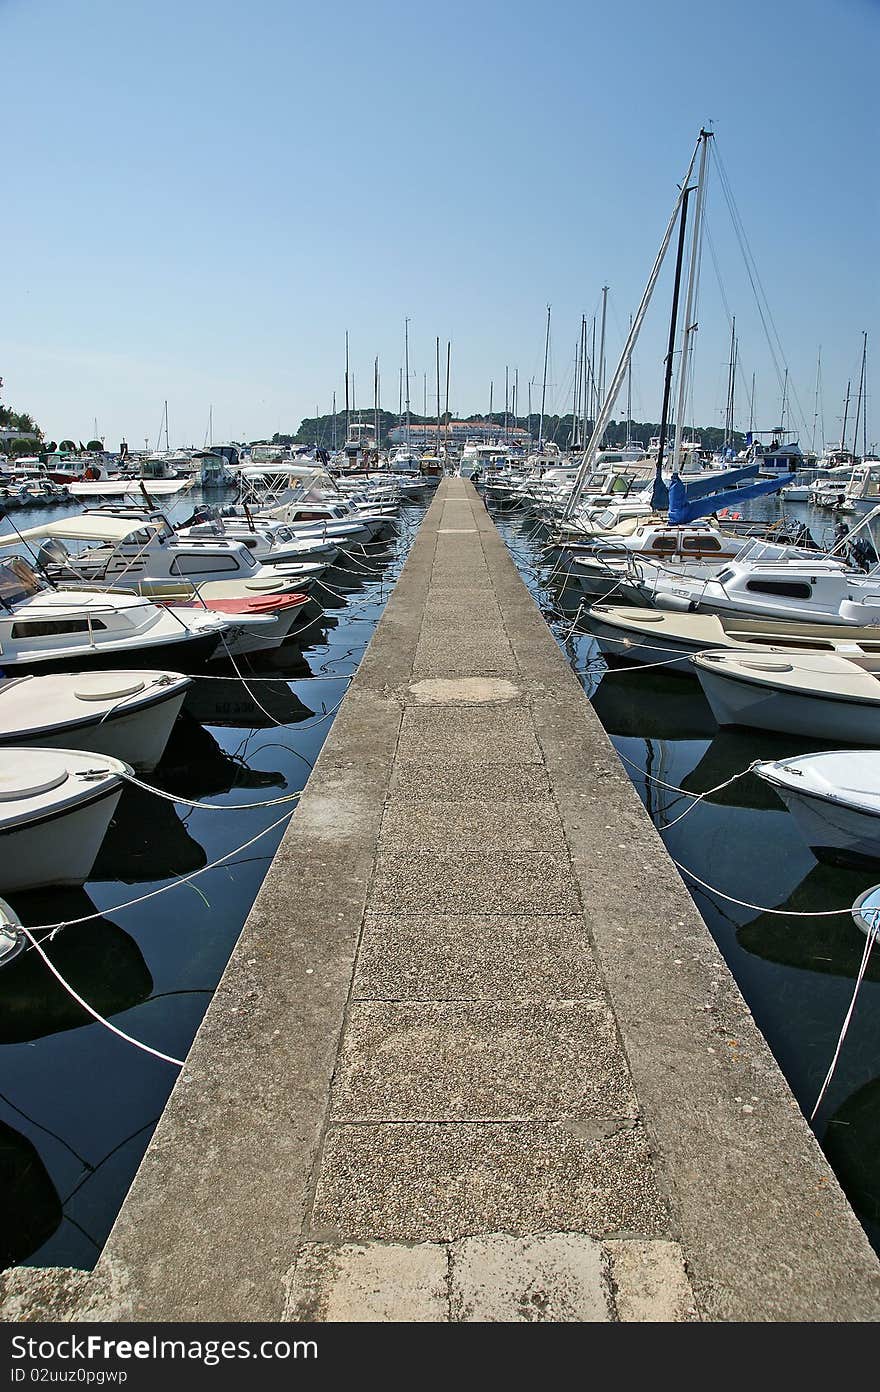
(48, 630)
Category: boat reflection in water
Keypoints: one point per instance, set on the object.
(677, 708)
(31, 1207)
(852, 1144)
(829, 945)
(254, 706)
(100, 961)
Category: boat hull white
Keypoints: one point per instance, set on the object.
(136, 730)
(737, 701)
(59, 848)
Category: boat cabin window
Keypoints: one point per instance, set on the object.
(705, 543)
(17, 581)
(789, 589)
(663, 543)
(52, 628)
(202, 565)
(724, 576)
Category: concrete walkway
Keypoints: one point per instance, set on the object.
(476, 1056)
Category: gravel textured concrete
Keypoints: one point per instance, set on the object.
(454, 1070)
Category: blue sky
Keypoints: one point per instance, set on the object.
(200, 199)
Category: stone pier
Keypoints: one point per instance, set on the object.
(476, 1055)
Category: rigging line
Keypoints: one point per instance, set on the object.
(748, 256)
(870, 940)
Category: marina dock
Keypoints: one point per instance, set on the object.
(476, 1055)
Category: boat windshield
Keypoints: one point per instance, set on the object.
(17, 581)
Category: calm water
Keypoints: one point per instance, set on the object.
(797, 975)
(78, 1106)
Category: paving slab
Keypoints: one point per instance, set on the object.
(475, 957)
(457, 780)
(468, 825)
(485, 881)
(358, 1282)
(412, 1182)
(486, 1061)
(554, 1277)
(480, 735)
(649, 1282)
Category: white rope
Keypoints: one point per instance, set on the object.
(90, 1010)
(761, 908)
(163, 889)
(869, 943)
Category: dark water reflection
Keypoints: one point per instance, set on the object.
(77, 1106)
(797, 974)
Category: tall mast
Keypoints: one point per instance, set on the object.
(845, 417)
(376, 403)
(859, 397)
(602, 344)
(572, 434)
(347, 408)
(784, 403)
(448, 360)
(544, 383)
(728, 416)
(629, 393)
(688, 325)
(752, 407)
(506, 398)
(406, 359)
(595, 389)
(816, 400)
(334, 422)
(617, 380)
(673, 324)
(491, 391)
(438, 393)
(166, 427)
(515, 397)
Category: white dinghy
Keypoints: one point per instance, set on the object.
(55, 807)
(834, 798)
(127, 715)
(816, 695)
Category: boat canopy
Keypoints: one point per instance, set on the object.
(86, 527)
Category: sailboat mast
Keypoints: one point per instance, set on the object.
(673, 324)
(347, 407)
(506, 398)
(845, 417)
(438, 394)
(376, 403)
(728, 415)
(859, 397)
(334, 422)
(448, 358)
(629, 393)
(688, 325)
(544, 386)
(602, 344)
(572, 434)
(166, 428)
(406, 361)
(816, 400)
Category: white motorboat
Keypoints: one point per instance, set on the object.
(657, 635)
(817, 695)
(55, 807)
(798, 586)
(834, 798)
(127, 715)
(138, 549)
(48, 630)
